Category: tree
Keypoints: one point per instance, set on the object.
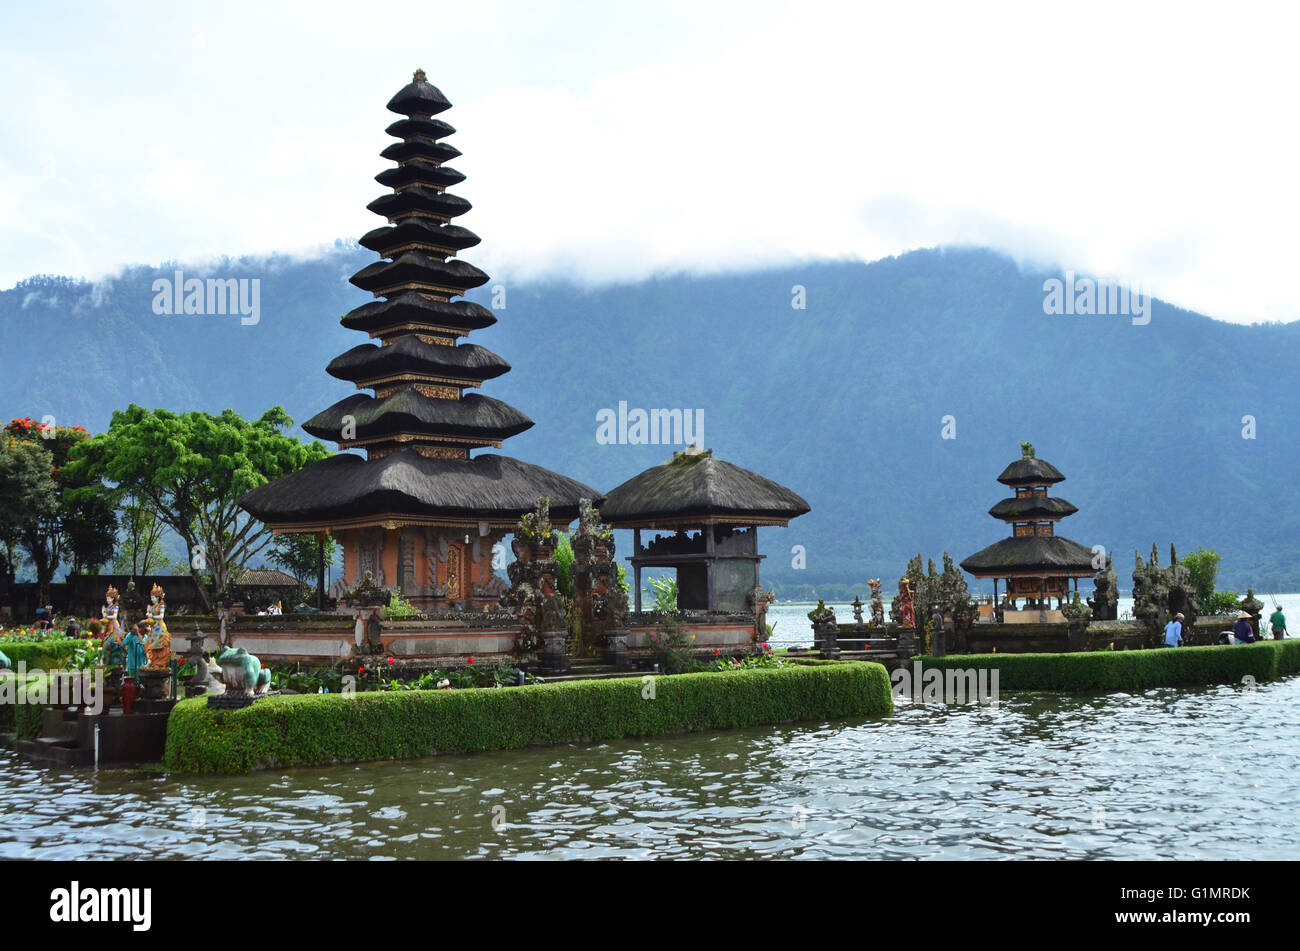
(139, 547)
(192, 469)
(29, 500)
(1203, 574)
(300, 555)
(82, 524)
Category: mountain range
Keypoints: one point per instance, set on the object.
(846, 399)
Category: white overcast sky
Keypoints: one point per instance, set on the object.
(614, 139)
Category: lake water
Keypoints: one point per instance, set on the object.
(1188, 774)
(791, 627)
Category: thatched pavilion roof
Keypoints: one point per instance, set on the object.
(410, 354)
(1019, 510)
(412, 488)
(695, 487)
(1031, 554)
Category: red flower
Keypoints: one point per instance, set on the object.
(390, 662)
(361, 670)
(471, 658)
(716, 651)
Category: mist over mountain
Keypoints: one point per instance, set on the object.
(843, 401)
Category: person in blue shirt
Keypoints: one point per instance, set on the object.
(1242, 630)
(1174, 632)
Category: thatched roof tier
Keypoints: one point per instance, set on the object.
(1031, 470)
(417, 201)
(420, 127)
(420, 425)
(418, 97)
(412, 310)
(420, 148)
(420, 172)
(472, 419)
(267, 578)
(417, 268)
(408, 354)
(1031, 555)
(695, 488)
(433, 236)
(1026, 509)
(407, 488)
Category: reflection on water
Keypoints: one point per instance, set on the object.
(1188, 774)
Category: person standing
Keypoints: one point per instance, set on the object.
(1242, 630)
(1174, 632)
(1278, 622)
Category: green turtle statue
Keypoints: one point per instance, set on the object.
(242, 673)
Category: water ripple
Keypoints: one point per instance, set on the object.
(1161, 774)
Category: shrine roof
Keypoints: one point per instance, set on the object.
(1013, 509)
(695, 485)
(347, 487)
(407, 410)
(408, 353)
(1050, 554)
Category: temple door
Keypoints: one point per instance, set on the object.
(458, 580)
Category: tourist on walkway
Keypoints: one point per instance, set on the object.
(1278, 621)
(1242, 630)
(1174, 632)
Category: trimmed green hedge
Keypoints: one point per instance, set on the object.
(321, 729)
(40, 655)
(24, 720)
(1132, 670)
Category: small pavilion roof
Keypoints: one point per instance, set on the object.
(1031, 554)
(695, 487)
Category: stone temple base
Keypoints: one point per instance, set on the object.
(235, 701)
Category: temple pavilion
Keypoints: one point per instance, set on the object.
(1035, 562)
(704, 514)
(417, 511)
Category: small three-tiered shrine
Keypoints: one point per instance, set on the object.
(417, 511)
(1035, 563)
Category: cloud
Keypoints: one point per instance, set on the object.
(606, 143)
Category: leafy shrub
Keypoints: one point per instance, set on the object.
(1132, 670)
(316, 730)
(665, 594)
(399, 607)
(47, 654)
(670, 646)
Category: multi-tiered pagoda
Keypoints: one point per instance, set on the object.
(418, 511)
(1036, 563)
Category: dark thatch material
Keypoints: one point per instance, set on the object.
(1030, 471)
(413, 308)
(411, 267)
(409, 411)
(419, 172)
(1031, 553)
(418, 231)
(346, 487)
(267, 578)
(418, 148)
(410, 354)
(1022, 509)
(419, 97)
(700, 486)
(415, 199)
(419, 128)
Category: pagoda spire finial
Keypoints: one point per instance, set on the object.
(1026, 450)
(419, 77)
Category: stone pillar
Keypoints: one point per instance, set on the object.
(938, 639)
(826, 631)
